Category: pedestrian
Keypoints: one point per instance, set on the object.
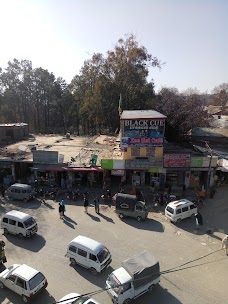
(2, 191)
(96, 205)
(86, 204)
(152, 187)
(62, 209)
(199, 220)
(225, 244)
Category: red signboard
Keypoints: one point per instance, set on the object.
(176, 160)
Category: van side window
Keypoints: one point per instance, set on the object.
(17, 191)
(185, 209)
(73, 249)
(92, 257)
(138, 208)
(20, 225)
(24, 191)
(5, 220)
(82, 252)
(12, 222)
(178, 211)
(21, 283)
(192, 206)
(12, 278)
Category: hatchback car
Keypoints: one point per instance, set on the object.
(75, 298)
(24, 280)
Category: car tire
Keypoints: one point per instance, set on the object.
(6, 231)
(139, 218)
(21, 235)
(73, 262)
(121, 216)
(150, 289)
(93, 271)
(127, 301)
(1, 285)
(25, 299)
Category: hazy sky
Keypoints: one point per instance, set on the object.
(191, 36)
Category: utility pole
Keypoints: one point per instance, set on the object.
(209, 168)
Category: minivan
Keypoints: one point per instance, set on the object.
(20, 223)
(179, 210)
(89, 254)
(20, 191)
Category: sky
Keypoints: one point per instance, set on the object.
(189, 36)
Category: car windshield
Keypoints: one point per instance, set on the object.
(36, 280)
(81, 300)
(29, 222)
(114, 283)
(102, 255)
(169, 209)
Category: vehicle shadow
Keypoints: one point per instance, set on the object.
(11, 297)
(32, 204)
(159, 296)
(35, 243)
(148, 224)
(2, 268)
(98, 280)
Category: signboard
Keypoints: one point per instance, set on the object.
(143, 132)
(117, 172)
(203, 161)
(107, 164)
(145, 164)
(48, 157)
(176, 160)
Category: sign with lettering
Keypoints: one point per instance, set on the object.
(145, 164)
(176, 160)
(143, 132)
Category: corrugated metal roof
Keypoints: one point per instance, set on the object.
(141, 114)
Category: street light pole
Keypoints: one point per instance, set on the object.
(209, 168)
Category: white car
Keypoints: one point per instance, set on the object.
(24, 280)
(75, 298)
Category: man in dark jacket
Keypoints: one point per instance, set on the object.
(96, 205)
(199, 220)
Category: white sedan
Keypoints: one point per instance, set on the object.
(24, 280)
(75, 298)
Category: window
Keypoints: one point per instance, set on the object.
(20, 225)
(169, 209)
(12, 278)
(36, 280)
(12, 222)
(139, 208)
(126, 287)
(24, 191)
(21, 283)
(135, 151)
(82, 252)
(5, 220)
(150, 152)
(17, 191)
(178, 211)
(73, 249)
(92, 257)
(185, 209)
(192, 206)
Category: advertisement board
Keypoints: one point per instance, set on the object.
(143, 164)
(143, 132)
(176, 160)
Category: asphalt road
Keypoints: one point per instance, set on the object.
(170, 244)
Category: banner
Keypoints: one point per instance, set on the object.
(176, 160)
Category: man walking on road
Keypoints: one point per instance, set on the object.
(96, 205)
(199, 220)
(225, 244)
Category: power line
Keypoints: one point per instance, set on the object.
(170, 270)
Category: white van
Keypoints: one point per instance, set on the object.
(179, 210)
(20, 223)
(22, 192)
(89, 254)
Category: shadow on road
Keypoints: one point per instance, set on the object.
(2, 268)
(98, 280)
(159, 296)
(67, 221)
(93, 217)
(108, 219)
(34, 243)
(44, 297)
(148, 224)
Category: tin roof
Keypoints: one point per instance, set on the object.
(141, 114)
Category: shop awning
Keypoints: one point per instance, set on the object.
(63, 168)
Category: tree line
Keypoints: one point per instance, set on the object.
(89, 104)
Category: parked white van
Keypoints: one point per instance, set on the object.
(22, 192)
(20, 223)
(179, 210)
(89, 254)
